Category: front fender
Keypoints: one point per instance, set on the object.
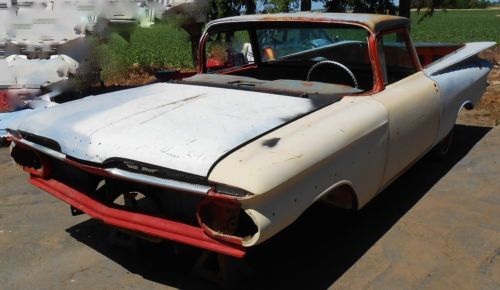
(288, 169)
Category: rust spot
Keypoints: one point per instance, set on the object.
(295, 157)
(271, 142)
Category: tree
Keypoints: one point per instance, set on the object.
(361, 6)
(226, 8)
(223, 8)
(404, 8)
(305, 5)
(336, 6)
(430, 5)
(250, 6)
(280, 5)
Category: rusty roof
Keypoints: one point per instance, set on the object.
(374, 22)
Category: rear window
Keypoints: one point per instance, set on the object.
(396, 60)
(228, 49)
(288, 42)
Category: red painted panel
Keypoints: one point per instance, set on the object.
(4, 102)
(149, 225)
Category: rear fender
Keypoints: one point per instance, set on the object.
(461, 78)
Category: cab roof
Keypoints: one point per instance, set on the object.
(373, 22)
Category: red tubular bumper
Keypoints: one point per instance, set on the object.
(150, 225)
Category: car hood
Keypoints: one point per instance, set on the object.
(177, 126)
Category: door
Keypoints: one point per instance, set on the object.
(412, 102)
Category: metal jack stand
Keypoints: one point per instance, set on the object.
(223, 270)
(122, 240)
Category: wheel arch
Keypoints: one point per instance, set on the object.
(342, 194)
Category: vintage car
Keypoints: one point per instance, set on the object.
(286, 110)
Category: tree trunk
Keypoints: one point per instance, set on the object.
(305, 5)
(250, 6)
(404, 8)
(195, 31)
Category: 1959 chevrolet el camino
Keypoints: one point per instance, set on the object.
(286, 110)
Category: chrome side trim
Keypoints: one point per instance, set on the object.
(160, 182)
(122, 174)
(45, 150)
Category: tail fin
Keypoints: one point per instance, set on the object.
(467, 51)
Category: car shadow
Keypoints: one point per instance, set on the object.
(312, 253)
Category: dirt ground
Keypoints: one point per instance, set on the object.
(487, 113)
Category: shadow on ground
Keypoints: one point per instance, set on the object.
(313, 252)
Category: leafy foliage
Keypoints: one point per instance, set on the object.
(361, 6)
(457, 26)
(274, 6)
(450, 4)
(161, 46)
(225, 8)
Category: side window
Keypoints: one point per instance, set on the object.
(395, 58)
(228, 49)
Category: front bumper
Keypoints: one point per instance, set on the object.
(154, 226)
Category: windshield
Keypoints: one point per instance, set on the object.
(283, 43)
(321, 53)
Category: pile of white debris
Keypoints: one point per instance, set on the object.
(44, 49)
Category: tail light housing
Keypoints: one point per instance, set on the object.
(31, 161)
(4, 102)
(223, 218)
